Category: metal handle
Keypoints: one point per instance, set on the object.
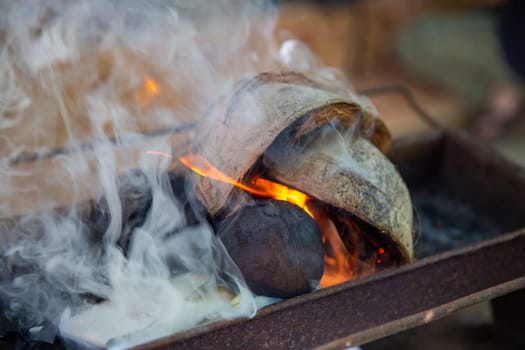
(404, 90)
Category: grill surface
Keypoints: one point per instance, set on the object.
(363, 310)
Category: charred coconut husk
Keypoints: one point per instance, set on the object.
(327, 144)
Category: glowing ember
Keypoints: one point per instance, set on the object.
(337, 267)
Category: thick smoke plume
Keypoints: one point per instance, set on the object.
(91, 78)
(101, 74)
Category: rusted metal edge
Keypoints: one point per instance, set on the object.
(424, 317)
(362, 310)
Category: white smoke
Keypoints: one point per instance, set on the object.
(130, 261)
(102, 73)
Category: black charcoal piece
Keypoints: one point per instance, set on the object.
(135, 197)
(182, 188)
(277, 247)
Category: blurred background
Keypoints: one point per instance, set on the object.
(462, 59)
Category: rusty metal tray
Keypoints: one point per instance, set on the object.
(482, 267)
(362, 310)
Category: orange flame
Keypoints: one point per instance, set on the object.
(337, 267)
(147, 91)
(151, 86)
(258, 186)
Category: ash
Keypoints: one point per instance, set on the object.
(447, 222)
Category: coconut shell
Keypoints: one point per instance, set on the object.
(243, 124)
(349, 172)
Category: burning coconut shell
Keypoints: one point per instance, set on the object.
(345, 171)
(328, 145)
